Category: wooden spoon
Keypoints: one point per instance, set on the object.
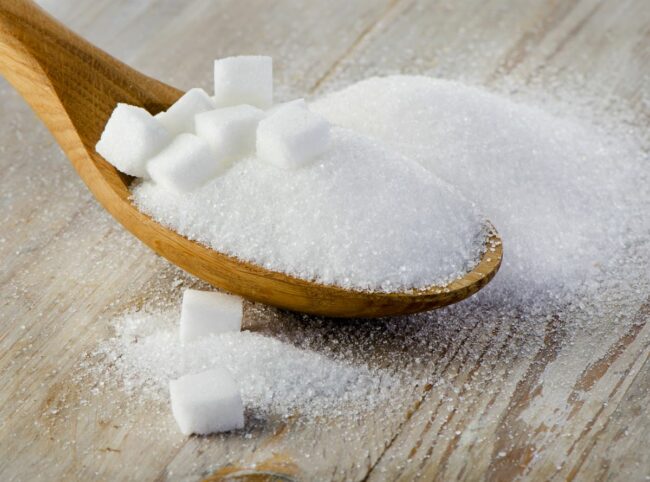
(73, 87)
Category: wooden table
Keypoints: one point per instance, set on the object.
(553, 406)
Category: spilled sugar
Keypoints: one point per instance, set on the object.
(553, 187)
(361, 216)
(484, 345)
(555, 292)
(276, 378)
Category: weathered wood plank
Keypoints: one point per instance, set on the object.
(505, 401)
(618, 450)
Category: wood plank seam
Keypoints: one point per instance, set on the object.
(425, 395)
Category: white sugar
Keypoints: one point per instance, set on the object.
(483, 345)
(554, 188)
(130, 138)
(292, 136)
(183, 165)
(179, 117)
(207, 402)
(361, 216)
(229, 131)
(275, 377)
(209, 312)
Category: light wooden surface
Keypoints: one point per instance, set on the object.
(547, 401)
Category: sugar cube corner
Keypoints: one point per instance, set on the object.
(179, 117)
(130, 138)
(209, 312)
(292, 136)
(186, 164)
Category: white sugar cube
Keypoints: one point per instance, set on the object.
(292, 136)
(207, 312)
(247, 79)
(229, 131)
(207, 402)
(180, 116)
(131, 137)
(186, 164)
(272, 110)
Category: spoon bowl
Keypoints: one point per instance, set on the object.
(74, 87)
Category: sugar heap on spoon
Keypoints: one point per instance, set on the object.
(279, 186)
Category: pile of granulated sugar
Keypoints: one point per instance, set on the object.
(560, 192)
(575, 272)
(361, 216)
(276, 378)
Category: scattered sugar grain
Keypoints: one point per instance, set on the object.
(275, 377)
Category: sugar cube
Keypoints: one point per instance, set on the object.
(292, 136)
(180, 116)
(207, 312)
(229, 131)
(273, 109)
(131, 136)
(246, 79)
(186, 164)
(207, 402)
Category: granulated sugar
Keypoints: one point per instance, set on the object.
(554, 188)
(576, 251)
(361, 216)
(276, 378)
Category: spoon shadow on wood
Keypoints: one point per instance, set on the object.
(74, 87)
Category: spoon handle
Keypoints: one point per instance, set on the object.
(67, 81)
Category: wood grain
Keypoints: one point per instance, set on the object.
(531, 402)
(74, 87)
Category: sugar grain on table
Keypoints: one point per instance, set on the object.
(275, 377)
